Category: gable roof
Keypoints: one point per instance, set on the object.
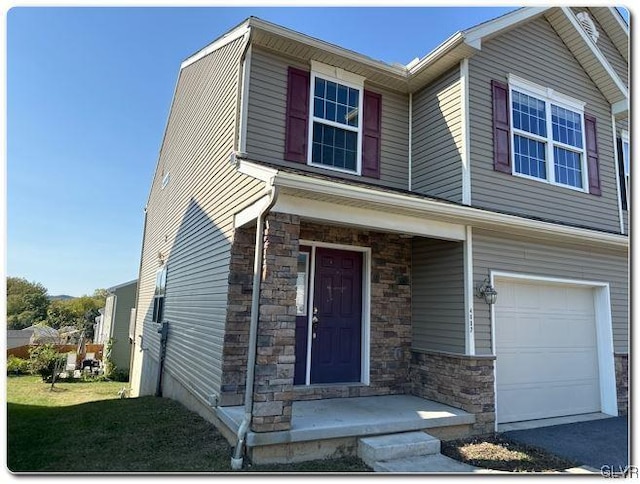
(566, 25)
(461, 45)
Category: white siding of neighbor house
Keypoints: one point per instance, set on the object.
(267, 121)
(499, 251)
(535, 52)
(190, 221)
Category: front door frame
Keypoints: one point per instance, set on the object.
(366, 305)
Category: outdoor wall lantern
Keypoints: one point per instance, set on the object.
(487, 292)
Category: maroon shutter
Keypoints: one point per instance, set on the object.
(372, 115)
(501, 136)
(295, 144)
(593, 166)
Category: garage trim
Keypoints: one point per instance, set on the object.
(604, 335)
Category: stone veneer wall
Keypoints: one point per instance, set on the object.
(275, 361)
(461, 381)
(390, 335)
(390, 330)
(236, 336)
(622, 382)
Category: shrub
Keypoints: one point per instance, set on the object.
(44, 359)
(17, 366)
(119, 374)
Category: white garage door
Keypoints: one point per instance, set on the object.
(546, 351)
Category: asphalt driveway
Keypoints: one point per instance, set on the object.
(596, 443)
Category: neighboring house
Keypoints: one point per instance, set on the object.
(387, 205)
(113, 322)
(18, 337)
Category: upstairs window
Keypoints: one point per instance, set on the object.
(547, 135)
(158, 297)
(332, 121)
(335, 124)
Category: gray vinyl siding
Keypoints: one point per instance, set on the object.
(266, 121)
(437, 139)
(191, 221)
(607, 47)
(502, 252)
(437, 299)
(535, 52)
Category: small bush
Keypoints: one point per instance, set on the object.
(44, 359)
(119, 374)
(17, 366)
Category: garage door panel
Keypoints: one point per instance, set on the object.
(528, 403)
(546, 351)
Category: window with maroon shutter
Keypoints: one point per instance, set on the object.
(332, 122)
(372, 113)
(552, 138)
(501, 136)
(297, 127)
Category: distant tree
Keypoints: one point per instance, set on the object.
(60, 314)
(27, 303)
(101, 295)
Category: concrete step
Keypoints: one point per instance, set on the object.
(433, 463)
(396, 446)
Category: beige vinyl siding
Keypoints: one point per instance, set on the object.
(609, 50)
(503, 252)
(437, 139)
(266, 121)
(535, 52)
(190, 221)
(437, 299)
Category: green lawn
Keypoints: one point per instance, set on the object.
(85, 427)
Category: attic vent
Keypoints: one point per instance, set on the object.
(588, 26)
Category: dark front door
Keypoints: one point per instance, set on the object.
(337, 326)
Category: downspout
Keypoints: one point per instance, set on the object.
(410, 139)
(237, 458)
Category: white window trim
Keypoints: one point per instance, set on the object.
(340, 76)
(549, 97)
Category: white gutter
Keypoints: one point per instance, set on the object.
(428, 207)
(237, 458)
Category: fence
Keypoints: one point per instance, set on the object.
(23, 351)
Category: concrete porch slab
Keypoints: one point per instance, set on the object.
(353, 417)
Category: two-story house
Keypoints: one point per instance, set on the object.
(446, 241)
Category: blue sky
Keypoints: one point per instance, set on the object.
(88, 95)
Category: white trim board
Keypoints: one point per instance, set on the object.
(367, 218)
(604, 333)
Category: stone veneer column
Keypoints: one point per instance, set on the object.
(236, 335)
(277, 325)
(461, 381)
(622, 382)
